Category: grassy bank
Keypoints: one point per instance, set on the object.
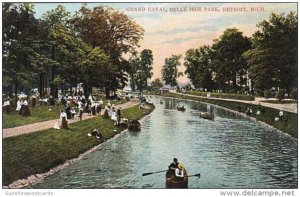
(290, 126)
(38, 114)
(38, 152)
(279, 102)
(223, 95)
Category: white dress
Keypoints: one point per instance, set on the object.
(18, 106)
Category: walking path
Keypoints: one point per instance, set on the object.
(290, 107)
(10, 132)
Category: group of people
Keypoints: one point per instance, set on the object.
(22, 107)
(176, 169)
(112, 113)
(280, 117)
(78, 105)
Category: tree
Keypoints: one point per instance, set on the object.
(19, 27)
(274, 54)
(145, 69)
(199, 68)
(170, 71)
(134, 62)
(228, 61)
(113, 32)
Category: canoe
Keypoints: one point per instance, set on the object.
(176, 182)
(207, 115)
(134, 125)
(180, 108)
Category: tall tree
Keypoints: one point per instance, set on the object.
(134, 62)
(19, 27)
(273, 60)
(145, 68)
(113, 32)
(199, 68)
(228, 61)
(170, 71)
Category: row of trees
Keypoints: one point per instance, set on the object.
(236, 63)
(59, 49)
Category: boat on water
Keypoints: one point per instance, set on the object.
(134, 125)
(176, 182)
(207, 115)
(180, 108)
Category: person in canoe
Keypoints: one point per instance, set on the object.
(179, 172)
(173, 166)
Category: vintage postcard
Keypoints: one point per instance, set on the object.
(150, 95)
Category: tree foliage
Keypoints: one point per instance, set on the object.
(60, 50)
(274, 54)
(227, 60)
(199, 68)
(112, 31)
(170, 71)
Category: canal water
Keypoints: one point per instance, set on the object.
(229, 152)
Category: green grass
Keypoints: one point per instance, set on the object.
(38, 152)
(38, 114)
(224, 95)
(290, 126)
(279, 102)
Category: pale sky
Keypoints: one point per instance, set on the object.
(174, 32)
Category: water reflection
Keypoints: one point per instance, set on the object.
(229, 152)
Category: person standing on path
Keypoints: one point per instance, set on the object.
(119, 115)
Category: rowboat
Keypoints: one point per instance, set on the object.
(180, 108)
(134, 125)
(176, 182)
(207, 115)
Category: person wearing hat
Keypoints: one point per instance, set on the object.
(173, 166)
(179, 172)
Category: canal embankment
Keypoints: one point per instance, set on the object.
(288, 123)
(30, 157)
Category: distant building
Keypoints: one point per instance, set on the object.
(165, 89)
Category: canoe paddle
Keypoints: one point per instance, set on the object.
(197, 175)
(148, 173)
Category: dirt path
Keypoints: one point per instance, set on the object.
(10, 132)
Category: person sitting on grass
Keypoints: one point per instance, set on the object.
(280, 114)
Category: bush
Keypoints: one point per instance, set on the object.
(294, 94)
(280, 95)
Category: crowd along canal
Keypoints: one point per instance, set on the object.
(229, 152)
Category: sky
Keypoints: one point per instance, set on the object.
(173, 28)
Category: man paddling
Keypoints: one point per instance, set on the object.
(173, 166)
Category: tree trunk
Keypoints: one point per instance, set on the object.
(16, 89)
(41, 85)
(45, 86)
(85, 90)
(107, 93)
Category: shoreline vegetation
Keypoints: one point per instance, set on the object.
(25, 162)
(288, 125)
